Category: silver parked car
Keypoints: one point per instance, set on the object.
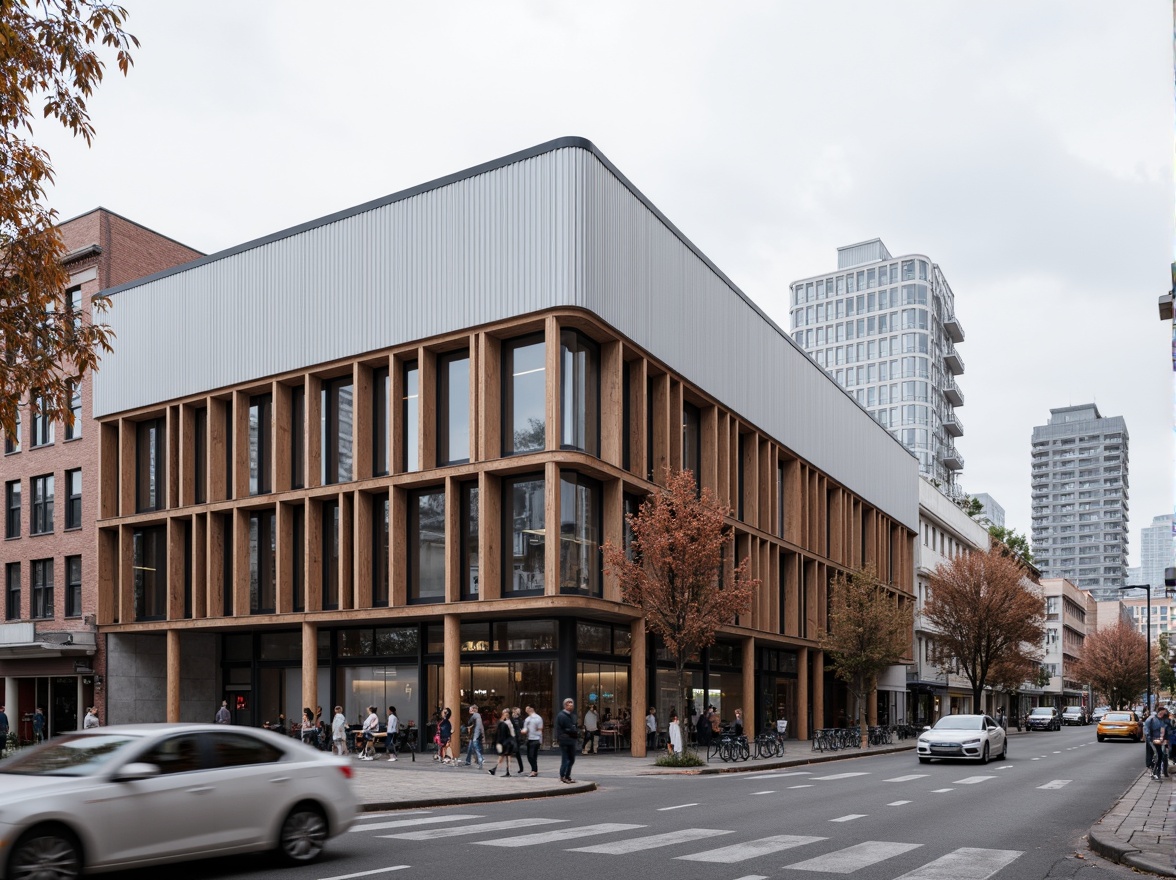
(128, 796)
(963, 736)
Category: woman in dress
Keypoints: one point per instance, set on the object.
(504, 742)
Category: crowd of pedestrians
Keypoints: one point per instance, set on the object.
(1159, 732)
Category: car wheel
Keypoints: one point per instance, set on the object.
(46, 854)
(923, 760)
(1100, 737)
(984, 754)
(303, 834)
(1004, 750)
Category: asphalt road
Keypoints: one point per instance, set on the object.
(873, 818)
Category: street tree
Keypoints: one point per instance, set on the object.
(869, 631)
(971, 506)
(49, 54)
(985, 618)
(1114, 661)
(1165, 676)
(674, 570)
(1016, 543)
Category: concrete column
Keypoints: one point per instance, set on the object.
(452, 674)
(750, 723)
(799, 724)
(12, 704)
(637, 688)
(173, 675)
(818, 664)
(309, 666)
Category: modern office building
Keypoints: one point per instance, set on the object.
(371, 460)
(886, 329)
(1157, 551)
(992, 513)
(1080, 494)
(1066, 611)
(50, 655)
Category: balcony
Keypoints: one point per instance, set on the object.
(952, 459)
(954, 328)
(954, 362)
(953, 425)
(953, 394)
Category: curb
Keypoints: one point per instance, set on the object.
(1113, 848)
(419, 803)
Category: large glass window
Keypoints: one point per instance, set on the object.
(73, 501)
(336, 434)
(469, 541)
(149, 465)
(380, 523)
(524, 395)
(426, 546)
(42, 423)
(297, 436)
(579, 392)
(73, 586)
(579, 535)
(200, 454)
(260, 443)
(73, 427)
(361, 686)
(330, 555)
(42, 589)
(453, 408)
(692, 441)
(42, 506)
(523, 505)
(12, 509)
(381, 419)
(149, 558)
(410, 413)
(262, 557)
(12, 441)
(12, 591)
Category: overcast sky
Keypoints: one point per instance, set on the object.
(1025, 147)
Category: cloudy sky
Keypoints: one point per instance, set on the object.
(1026, 147)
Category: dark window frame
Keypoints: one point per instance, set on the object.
(298, 437)
(414, 566)
(338, 460)
(12, 586)
(41, 589)
(595, 489)
(73, 586)
(579, 387)
(200, 455)
(263, 582)
(381, 547)
(73, 500)
(261, 444)
(149, 554)
(150, 465)
(14, 511)
(73, 429)
(332, 522)
(469, 517)
(510, 393)
(447, 405)
(42, 424)
(511, 540)
(381, 421)
(41, 504)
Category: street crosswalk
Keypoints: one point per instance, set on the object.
(691, 844)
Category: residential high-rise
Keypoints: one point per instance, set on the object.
(885, 328)
(1156, 552)
(993, 514)
(1080, 492)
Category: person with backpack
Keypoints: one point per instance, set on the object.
(504, 742)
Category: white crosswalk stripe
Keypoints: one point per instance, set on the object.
(908, 778)
(636, 844)
(739, 852)
(854, 858)
(973, 780)
(779, 775)
(438, 833)
(841, 776)
(1054, 784)
(967, 863)
(560, 834)
(405, 823)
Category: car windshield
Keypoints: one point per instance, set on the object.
(1118, 716)
(959, 722)
(1041, 711)
(68, 755)
(1072, 710)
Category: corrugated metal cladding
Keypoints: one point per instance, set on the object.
(554, 229)
(859, 254)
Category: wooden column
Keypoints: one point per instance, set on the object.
(818, 664)
(309, 664)
(750, 724)
(452, 674)
(800, 722)
(173, 676)
(637, 688)
(872, 709)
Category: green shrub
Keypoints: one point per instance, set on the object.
(689, 758)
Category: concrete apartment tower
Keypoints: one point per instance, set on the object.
(1080, 492)
(1156, 552)
(885, 328)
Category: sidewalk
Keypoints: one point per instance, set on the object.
(403, 784)
(1140, 830)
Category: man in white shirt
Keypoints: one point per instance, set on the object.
(339, 732)
(651, 728)
(533, 725)
(393, 729)
(591, 730)
(91, 719)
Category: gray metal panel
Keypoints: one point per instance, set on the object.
(554, 228)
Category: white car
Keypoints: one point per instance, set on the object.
(128, 796)
(963, 736)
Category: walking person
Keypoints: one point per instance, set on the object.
(370, 725)
(91, 719)
(39, 725)
(651, 728)
(307, 731)
(516, 721)
(533, 728)
(222, 714)
(3, 730)
(1002, 719)
(393, 732)
(591, 730)
(504, 742)
(444, 735)
(568, 732)
(675, 731)
(1155, 731)
(339, 732)
(477, 734)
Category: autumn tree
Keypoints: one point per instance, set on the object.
(1164, 673)
(870, 629)
(674, 570)
(49, 56)
(985, 619)
(1114, 661)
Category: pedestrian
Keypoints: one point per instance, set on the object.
(222, 714)
(1155, 731)
(675, 731)
(1002, 719)
(3, 730)
(651, 728)
(504, 742)
(702, 731)
(445, 734)
(307, 732)
(516, 721)
(477, 732)
(38, 725)
(533, 728)
(567, 730)
(339, 732)
(91, 719)
(591, 730)
(1171, 740)
(737, 724)
(391, 733)
(370, 725)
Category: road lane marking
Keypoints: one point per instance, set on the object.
(776, 775)
(753, 877)
(854, 858)
(677, 807)
(436, 833)
(751, 849)
(967, 863)
(897, 803)
(560, 834)
(763, 792)
(973, 780)
(636, 844)
(841, 776)
(799, 786)
(941, 790)
(908, 777)
(1054, 784)
(368, 873)
(850, 817)
(404, 823)
(1005, 767)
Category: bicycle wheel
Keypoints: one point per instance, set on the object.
(744, 750)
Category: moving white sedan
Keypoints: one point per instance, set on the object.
(963, 736)
(129, 796)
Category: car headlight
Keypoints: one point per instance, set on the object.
(972, 742)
